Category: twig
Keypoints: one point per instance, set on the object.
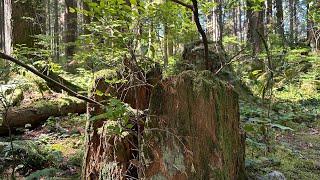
(231, 60)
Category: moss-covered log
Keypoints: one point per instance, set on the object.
(193, 131)
(36, 112)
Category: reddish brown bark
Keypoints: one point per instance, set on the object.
(194, 130)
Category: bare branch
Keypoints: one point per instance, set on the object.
(48, 79)
(183, 4)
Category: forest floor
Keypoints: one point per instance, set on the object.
(287, 140)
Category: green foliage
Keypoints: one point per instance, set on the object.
(77, 158)
(118, 115)
(44, 173)
(26, 154)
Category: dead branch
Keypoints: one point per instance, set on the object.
(48, 79)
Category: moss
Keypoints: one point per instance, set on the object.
(62, 101)
(106, 73)
(158, 177)
(173, 160)
(107, 169)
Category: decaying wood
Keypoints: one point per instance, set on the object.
(35, 113)
(111, 156)
(194, 130)
(171, 147)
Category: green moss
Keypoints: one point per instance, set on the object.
(158, 177)
(173, 160)
(106, 73)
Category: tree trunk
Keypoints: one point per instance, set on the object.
(71, 23)
(56, 31)
(240, 22)
(7, 28)
(295, 22)
(24, 29)
(269, 12)
(165, 47)
(109, 156)
(280, 25)
(255, 26)
(309, 26)
(212, 26)
(180, 108)
(2, 25)
(291, 22)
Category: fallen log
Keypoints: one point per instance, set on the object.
(36, 112)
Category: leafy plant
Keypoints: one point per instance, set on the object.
(118, 115)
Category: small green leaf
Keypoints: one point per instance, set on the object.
(281, 127)
(129, 126)
(72, 10)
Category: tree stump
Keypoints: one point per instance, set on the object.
(193, 131)
(111, 156)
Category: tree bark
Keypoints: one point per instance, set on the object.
(56, 31)
(255, 26)
(309, 26)
(291, 22)
(180, 108)
(194, 131)
(165, 46)
(108, 156)
(7, 13)
(2, 26)
(280, 24)
(295, 21)
(71, 23)
(269, 12)
(25, 30)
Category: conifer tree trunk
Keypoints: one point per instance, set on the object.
(25, 29)
(291, 22)
(70, 28)
(56, 28)
(213, 29)
(1, 26)
(7, 27)
(255, 26)
(295, 21)
(280, 25)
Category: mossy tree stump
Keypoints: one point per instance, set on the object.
(110, 156)
(193, 131)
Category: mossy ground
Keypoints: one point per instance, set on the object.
(58, 144)
(296, 152)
